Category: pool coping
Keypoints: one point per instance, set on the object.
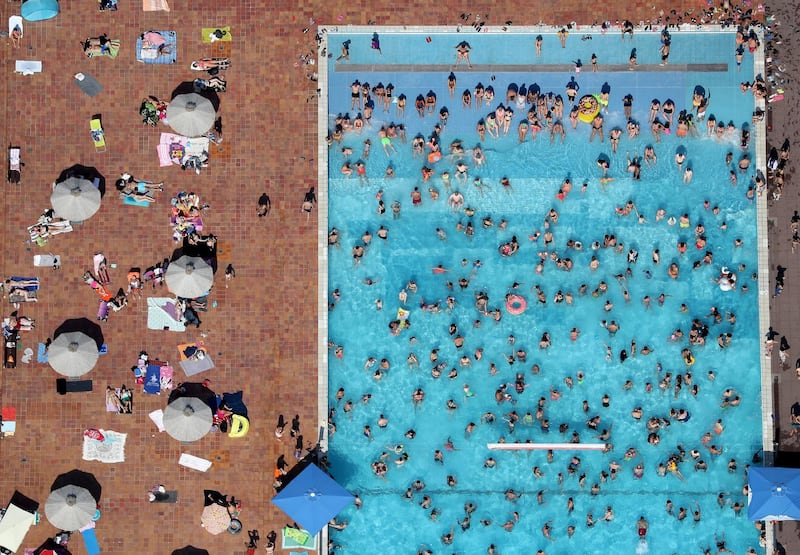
(759, 68)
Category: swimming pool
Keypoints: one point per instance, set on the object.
(536, 170)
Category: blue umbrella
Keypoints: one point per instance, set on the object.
(774, 493)
(312, 499)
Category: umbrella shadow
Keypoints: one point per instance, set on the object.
(201, 250)
(196, 390)
(187, 87)
(83, 325)
(81, 479)
(84, 172)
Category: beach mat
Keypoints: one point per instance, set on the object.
(88, 84)
(194, 367)
(207, 31)
(155, 6)
(172, 497)
(90, 541)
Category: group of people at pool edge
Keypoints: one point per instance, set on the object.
(542, 109)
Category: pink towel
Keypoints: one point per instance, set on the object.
(153, 38)
(164, 159)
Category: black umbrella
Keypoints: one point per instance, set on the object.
(187, 87)
(190, 550)
(190, 411)
(79, 478)
(83, 325)
(73, 499)
(84, 172)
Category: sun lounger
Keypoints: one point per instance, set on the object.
(98, 135)
(47, 261)
(195, 463)
(19, 516)
(88, 84)
(28, 67)
(15, 22)
(14, 164)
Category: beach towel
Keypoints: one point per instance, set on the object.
(298, 539)
(110, 450)
(90, 539)
(157, 47)
(164, 158)
(19, 516)
(157, 416)
(8, 427)
(161, 314)
(130, 201)
(41, 353)
(112, 50)
(88, 84)
(194, 367)
(110, 405)
(208, 32)
(195, 463)
(155, 5)
(166, 378)
(152, 379)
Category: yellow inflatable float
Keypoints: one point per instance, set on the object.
(588, 108)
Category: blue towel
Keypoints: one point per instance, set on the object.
(90, 541)
(133, 202)
(41, 354)
(152, 379)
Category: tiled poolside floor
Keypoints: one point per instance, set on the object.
(262, 333)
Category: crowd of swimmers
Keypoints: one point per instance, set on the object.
(544, 112)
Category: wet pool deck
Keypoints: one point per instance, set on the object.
(263, 335)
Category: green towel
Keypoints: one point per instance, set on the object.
(299, 536)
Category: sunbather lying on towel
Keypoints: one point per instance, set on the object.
(19, 323)
(16, 282)
(22, 295)
(112, 400)
(97, 46)
(129, 184)
(154, 45)
(137, 196)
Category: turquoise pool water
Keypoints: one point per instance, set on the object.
(390, 523)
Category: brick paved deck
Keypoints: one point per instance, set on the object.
(262, 334)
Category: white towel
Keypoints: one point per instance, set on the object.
(195, 463)
(157, 416)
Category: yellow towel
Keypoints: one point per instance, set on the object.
(207, 31)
